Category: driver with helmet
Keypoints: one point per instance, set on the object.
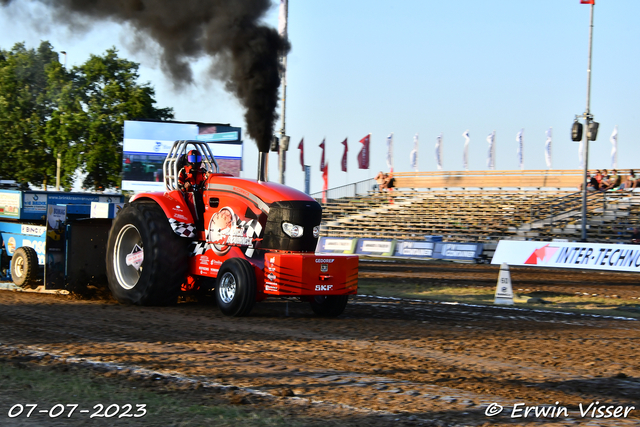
(190, 180)
(193, 174)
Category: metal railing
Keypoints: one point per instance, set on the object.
(350, 190)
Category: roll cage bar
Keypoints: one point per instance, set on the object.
(172, 163)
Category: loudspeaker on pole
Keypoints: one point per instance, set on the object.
(504, 291)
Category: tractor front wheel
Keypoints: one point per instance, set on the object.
(236, 287)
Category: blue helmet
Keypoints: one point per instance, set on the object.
(194, 158)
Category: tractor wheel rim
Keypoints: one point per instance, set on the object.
(19, 267)
(127, 239)
(227, 288)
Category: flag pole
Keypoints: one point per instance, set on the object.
(370, 174)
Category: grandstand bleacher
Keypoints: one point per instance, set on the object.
(482, 207)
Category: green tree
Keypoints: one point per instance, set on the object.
(110, 94)
(47, 111)
(26, 104)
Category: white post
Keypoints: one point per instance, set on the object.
(504, 291)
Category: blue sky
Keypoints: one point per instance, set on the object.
(407, 67)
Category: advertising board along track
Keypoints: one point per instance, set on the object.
(392, 248)
(592, 256)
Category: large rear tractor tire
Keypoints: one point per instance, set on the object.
(24, 267)
(329, 305)
(146, 261)
(236, 287)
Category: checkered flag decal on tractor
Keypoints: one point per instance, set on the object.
(252, 227)
(253, 230)
(182, 229)
(197, 248)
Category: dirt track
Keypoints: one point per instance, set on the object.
(390, 362)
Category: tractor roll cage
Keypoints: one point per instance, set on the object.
(172, 163)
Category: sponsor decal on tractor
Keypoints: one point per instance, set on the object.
(226, 229)
(135, 258)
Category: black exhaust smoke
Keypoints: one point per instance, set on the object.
(245, 53)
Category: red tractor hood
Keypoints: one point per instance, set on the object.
(268, 192)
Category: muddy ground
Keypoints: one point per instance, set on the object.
(383, 362)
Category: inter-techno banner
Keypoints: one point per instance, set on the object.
(594, 256)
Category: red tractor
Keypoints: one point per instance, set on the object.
(246, 239)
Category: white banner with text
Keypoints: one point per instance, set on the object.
(594, 256)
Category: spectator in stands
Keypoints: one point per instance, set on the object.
(604, 179)
(379, 181)
(592, 182)
(389, 181)
(598, 177)
(635, 235)
(613, 182)
(630, 183)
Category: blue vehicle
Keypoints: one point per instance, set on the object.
(53, 239)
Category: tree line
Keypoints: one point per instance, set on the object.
(77, 114)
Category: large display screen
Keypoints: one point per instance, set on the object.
(146, 144)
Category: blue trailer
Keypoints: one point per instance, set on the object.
(55, 240)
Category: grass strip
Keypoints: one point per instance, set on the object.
(29, 380)
(553, 301)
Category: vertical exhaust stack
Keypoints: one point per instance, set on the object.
(263, 166)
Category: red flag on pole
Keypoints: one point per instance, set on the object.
(587, 1)
(322, 158)
(301, 148)
(325, 182)
(363, 155)
(344, 156)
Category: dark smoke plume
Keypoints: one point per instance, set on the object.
(246, 53)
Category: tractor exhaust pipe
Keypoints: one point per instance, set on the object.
(263, 166)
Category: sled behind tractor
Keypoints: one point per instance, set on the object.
(246, 240)
(51, 240)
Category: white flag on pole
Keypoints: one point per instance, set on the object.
(390, 152)
(614, 148)
(491, 139)
(439, 152)
(413, 156)
(547, 149)
(282, 18)
(520, 141)
(465, 151)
